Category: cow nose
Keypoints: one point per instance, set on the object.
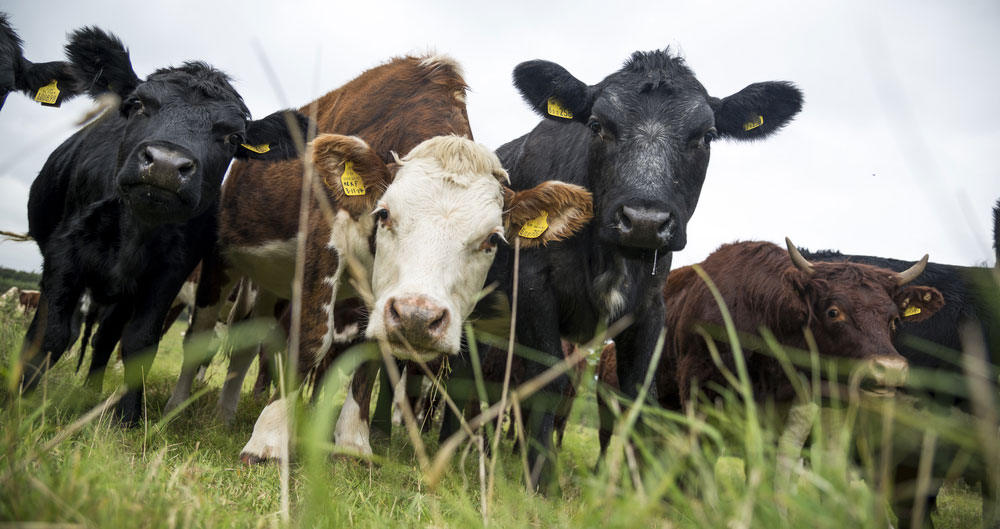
(888, 372)
(165, 168)
(645, 228)
(420, 321)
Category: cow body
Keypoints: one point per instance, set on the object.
(19, 74)
(126, 207)
(640, 141)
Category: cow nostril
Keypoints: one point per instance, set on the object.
(393, 312)
(624, 219)
(146, 156)
(666, 226)
(185, 168)
(439, 322)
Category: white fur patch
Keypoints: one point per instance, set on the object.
(352, 432)
(270, 265)
(608, 288)
(270, 433)
(398, 396)
(441, 60)
(444, 202)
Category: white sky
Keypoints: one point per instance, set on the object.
(894, 153)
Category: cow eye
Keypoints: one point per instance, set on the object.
(594, 126)
(833, 313)
(711, 135)
(492, 242)
(382, 214)
(236, 139)
(135, 107)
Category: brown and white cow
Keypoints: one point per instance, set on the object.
(413, 105)
(436, 229)
(391, 108)
(851, 309)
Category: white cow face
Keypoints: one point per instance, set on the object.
(439, 224)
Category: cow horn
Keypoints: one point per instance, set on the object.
(912, 272)
(800, 262)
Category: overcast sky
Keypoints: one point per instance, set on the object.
(895, 152)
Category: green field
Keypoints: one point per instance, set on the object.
(714, 467)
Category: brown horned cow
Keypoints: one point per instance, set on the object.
(851, 309)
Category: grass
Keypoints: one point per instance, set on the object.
(701, 469)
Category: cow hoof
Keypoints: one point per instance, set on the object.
(253, 459)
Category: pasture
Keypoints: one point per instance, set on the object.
(715, 467)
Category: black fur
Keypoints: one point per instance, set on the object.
(18, 73)
(126, 207)
(996, 233)
(638, 139)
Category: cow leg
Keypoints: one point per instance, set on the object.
(202, 326)
(270, 435)
(460, 386)
(48, 334)
(382, 419)
(108, 333)
(635, 347)
(541, 333)
(352, 424)
(607, 421)
(242, 358)
(141, 335)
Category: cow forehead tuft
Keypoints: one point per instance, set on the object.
(456, 158)
(200, 76)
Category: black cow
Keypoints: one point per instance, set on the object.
(126, 207)
(971, 296)
(20, 74)
(640, 141)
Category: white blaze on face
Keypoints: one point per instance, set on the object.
(444, 206)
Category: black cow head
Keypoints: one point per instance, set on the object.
(183, 125)
(651, 125)
(20, 74)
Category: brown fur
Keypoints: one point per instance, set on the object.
(575, 209)
(762, 288)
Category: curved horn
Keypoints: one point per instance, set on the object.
(912, 272)
(800, 262)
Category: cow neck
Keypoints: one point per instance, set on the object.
(625, 280)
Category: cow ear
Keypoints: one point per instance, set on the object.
(757, 111)
(351, 170)
(49, 83)
(273, 138)
(919, 303)
(552, 91)
(548, 212)
(100, 63)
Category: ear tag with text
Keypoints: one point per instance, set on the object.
(535, 227)
(351, 180)
(48, 95)
(753, 123)
(556, 109)
(259, 149)
(911, 311)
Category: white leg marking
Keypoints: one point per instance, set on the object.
(270, 434)
(352, 431)
(398, 394)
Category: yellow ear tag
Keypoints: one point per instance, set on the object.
(556, 109)
(911, 311)
(535, 227)
(754, 123)
(351, 180)
(48, 94)
(259, 149)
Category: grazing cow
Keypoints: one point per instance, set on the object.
(49, 83)
(852, 311)
(932, 347)
(640, 141)
(126, 207)
(27, 300)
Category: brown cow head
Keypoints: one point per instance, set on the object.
(853, 310)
